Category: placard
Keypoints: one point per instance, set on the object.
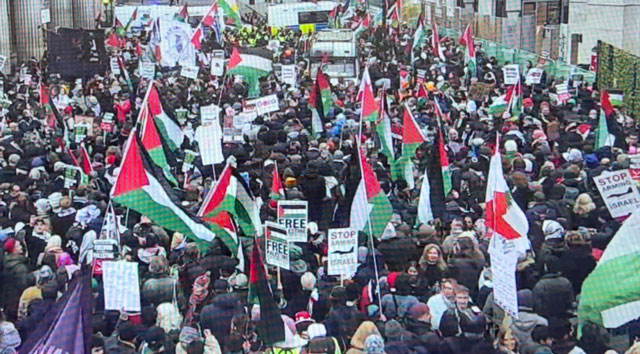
(121, 286)
(534, 76)
(504, 260)
(209, 114)
(619, 192)
(70, 176)
(420, 75)
(25, 78)
(147, 70)
(105, 248)
(288, 74)
(343, 251)
(45, 16)
(189, 71)
(264, 105)
(181, 115)
(3, 60)
(209, 138)
(115, 66)
(107, 121)
(479, 91)
(231, 134)
(563, 94)
(189, 160)
(277, 247)
(634, 167)
(292, 214)
(217, 66)
(511, 74)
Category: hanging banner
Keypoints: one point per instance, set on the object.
(277, 247)
(343, 251)
(292, 214)
(121, 286)
(175, 46)
(619, 192)
(511, 74)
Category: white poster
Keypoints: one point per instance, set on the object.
(619, 192)
(3, 60)
(534, 76)
(189, 160)
(175, 46)
(121, 286)
(504, 260)
(343, 251)
(105, 248)
(217, 66)
(115, 66)
(289, 74)
(45, 16)
(292, 214)
(266, 104)
(209, 114)
(189, 71)
(511, 74)
(209, 138)
(276, 248)
(147, 70)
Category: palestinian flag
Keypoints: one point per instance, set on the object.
(321, 98)
(152, 142)
(167, 125)
(141, 187)
(196, 39)
(125, 72)
(514, 99)
(444, 164)
(421, 92)
(383, 128)
(412, 138)
(498, 107)
(211, 17)
(435, 42)
(365, 95)
(334, 16)
(419, 36)
(86, 160)
(611, 293)
(252, 64)
(270, 327)
(470, 54)
(224, 227)
(292, 209)
(183, 15)
(155, 40)
(603, 137)
(231, 10)
(133, 17)
(232, 194)
(370, 209)
(363, 25)
(277, 190)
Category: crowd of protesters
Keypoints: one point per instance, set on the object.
(435, 279)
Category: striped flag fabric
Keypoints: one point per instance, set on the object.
(370, 210)
(365, 95)
(603, 137)
(498, 106)
(425, 212)
(167, 125)
(435, 42)
(133, 17)
(86, 160)
(419, 36)
(412, 138)
(152, 142)
(383, 128)
(320, 101)
(292, 209)
(514, 98)
(231, 10)
(444, 163)
(232, 194)
(252, 64)
(277, 189)
(140, 185)
(470, 54)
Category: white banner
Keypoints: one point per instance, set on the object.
(121, 286)
(175, 46)
(115, 67)
(209, 138)
(277, 247)
(217, 66)
(189, 71)
(511, 74)
(264, 105)
(292, 214)
(289, 74)
(147, 70)
(619, 192)
(343, 251)
(504, 259)
(534, 76)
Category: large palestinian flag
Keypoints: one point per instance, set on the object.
(470, 54)
(167, 125)
(232, 194)
(370, 210)
(252, 64)
(383, 128)
(320, 101)
(141, 187)
(412, 138)
(231, 10)
(152, 142)
(365, 95)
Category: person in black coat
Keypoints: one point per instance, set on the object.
(577, 261)
(553, 293)
(217, 316)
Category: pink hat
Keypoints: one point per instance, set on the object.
(10, 245)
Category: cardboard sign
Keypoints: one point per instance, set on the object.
(121, 286)
(534, 76)
(619, 192)
(276, 248)
(343, 251)
(209, 138)
(266, 104)
(147, 70)
(209, 114)
(105, 248)
(189, 160)
(292, 214)
(288, 74)
(511, 74)
(107, 121)
(479, 91)
(115, 66)
(189, 71)
(3, 61)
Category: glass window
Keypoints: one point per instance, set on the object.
(313, 17)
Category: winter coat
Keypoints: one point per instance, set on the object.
(577, 263)
(403, 302)
(159, 290)
(552, 296)
(217, 316)
(342, 321)
(356, 346)
(14, 273)
(524, 325)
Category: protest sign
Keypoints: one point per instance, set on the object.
(105, 248)
(25, 79)
(181, 115)
(511, 74)
(107, 121)
(45, 16)
(70, 176)
(189, 71)
(115, 66)
(231, 134)
(504, 260)
(563, 94)
(618, 191)
(147, 70)
(534, 76)
(209, 114)
(243, 120)
(209, 138)
(634, 167)
(479, 91)
(264, 105)
(288, 74)
(217, 62)
(420, 75)
(277, 246)
(3, 60)
(189, 160)
(343, 251)
(121, 286)
(292, 214)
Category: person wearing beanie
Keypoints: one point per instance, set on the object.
(14, 273)
(527, 319)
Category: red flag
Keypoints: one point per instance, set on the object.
(114, 41)
(184, 13)
(86, 160)
(197, 38)
(277, 190)
(211, 16)
(44, 94)
(466, 39)
(605, 103)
